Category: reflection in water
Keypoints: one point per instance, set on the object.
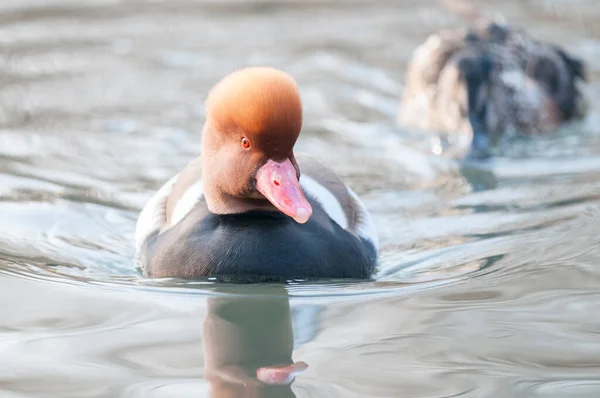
(488, 283)
(245, 336)
(480, 179)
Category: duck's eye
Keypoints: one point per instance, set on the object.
(245, 143)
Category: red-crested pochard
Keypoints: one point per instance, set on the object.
(488, 81)
(250, 206)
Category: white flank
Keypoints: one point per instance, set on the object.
(186, 203)
(322, 195)
(153, 216)
(365, 228)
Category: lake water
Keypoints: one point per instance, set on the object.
(489, 278)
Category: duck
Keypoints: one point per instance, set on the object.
(490, 80)
(250, 208)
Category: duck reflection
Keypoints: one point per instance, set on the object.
(248, 343)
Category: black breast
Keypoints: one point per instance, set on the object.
(258, 245)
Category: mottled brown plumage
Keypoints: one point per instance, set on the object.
(491, 79)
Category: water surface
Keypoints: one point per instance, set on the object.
(489, 274)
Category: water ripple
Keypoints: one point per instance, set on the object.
(488, 280)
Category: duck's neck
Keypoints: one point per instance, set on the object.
(218, 202)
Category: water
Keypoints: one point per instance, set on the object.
(489, 275)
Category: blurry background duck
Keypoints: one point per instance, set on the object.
(489, 80)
